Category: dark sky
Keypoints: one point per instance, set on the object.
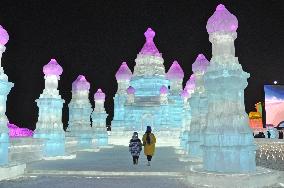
(94, 37)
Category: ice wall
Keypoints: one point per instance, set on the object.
(228, 141)
(5, 88)
(49, 125)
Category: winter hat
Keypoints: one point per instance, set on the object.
(135, 135)
(148, 129)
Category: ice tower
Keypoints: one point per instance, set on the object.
(149, 101)
(99, 116)
(198, 105)
(80, 110)
(49, 125)
(123, 76)
(228, 141)
(5, 88)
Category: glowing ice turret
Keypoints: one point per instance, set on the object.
(175, 75)
(190, 85)
(186, 119)
(5, 88)
(228, 140)
(99, 116)
(123, 76)
(130, 94)
(80, 111)
(49, 125)
(198, 105)
(149, 47)
(164, 95)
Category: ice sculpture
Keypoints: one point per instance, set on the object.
(151, 101)
(5, 88)
(80, 110)
(15, 131)
(186, 119)
(99, 116)
(228, 141)
(123, 76)
(49, 125)
(198, 105)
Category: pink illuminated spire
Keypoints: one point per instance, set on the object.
(190, 84)
(130, 90)
(163, 90)
(4, 37)
(149, 47)
(80, 84)
(52, 68)
(99, 95)
(175, 72)
(123, 73)
(222, 21)
(200, 64)
(184, 94)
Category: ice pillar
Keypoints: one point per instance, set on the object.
(123, 77)
(5, 88)
(80, 110)
(228, 141)
(198, 104)
(49, 125)
(99, 116)
(186, 119)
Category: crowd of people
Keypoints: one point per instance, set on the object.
(262, 135)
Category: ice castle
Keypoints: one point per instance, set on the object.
(149, 96)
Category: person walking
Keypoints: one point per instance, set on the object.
(135, 147)
(149, 141)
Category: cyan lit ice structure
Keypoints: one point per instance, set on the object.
(123, 76)
(5, 88)
(80, 110)
(228, 140)
(49, 125)
(143, 104)
(198, 105)
(99, 116)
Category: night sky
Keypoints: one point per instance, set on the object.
(94, 37)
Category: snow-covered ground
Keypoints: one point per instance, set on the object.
(111, 167)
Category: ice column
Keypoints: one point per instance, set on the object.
(49, 125)
(5, 88)
(80, 110)
(175, 74)
(198, 104)
(228, 141)
(123, 76)
(99, 116)
(186, 119)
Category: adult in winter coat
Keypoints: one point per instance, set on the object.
(135, 147)
(149, 141)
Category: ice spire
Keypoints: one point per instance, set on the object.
(222, 21)
(149, 47)
(99, 95)
(175, 72)
(190, 84)
(52, 68)
(80, 84)
(200, 64)
(123, 73)
(4, 37)
(130, 90)
(163, 90)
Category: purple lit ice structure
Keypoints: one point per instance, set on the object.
(123, 73)
(99, 116)
(164, 90)
(80, 84)
(190, 84)
(15, 131)
(200, 64)
(52, 68)
(175, 72)
(130, 90)
(222, 21)
(4, 37)
(184, 94)
(149, 47)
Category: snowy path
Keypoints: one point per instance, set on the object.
(111, 167)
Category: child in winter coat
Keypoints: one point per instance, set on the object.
(135, 147)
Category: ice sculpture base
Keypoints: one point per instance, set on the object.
(197, 177)
(101, 139)
(66, 157)
(12, 171)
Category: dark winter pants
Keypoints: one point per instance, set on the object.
(135, 159)
(149, 157)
